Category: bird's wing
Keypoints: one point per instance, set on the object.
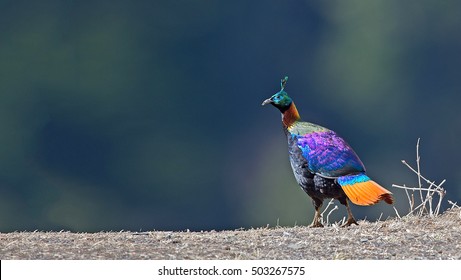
(328, 155)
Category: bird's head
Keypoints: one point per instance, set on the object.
(280, 100)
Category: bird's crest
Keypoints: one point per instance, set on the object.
(283, 83)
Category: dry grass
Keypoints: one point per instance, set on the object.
(411, 237)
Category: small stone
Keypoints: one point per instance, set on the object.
(294, 246)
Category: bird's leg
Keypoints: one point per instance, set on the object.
(350, 217)
(316, 222)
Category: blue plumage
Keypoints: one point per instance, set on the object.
(328, 154)
(353, 179)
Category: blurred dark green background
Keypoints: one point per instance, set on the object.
(141, 115)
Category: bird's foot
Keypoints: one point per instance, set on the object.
(315, 224)
(349, 222)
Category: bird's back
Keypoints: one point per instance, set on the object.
(326, 153)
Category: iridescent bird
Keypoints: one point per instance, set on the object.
(324, 165)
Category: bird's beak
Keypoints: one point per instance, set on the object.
(267, 101)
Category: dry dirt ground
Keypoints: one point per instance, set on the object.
(406, 238)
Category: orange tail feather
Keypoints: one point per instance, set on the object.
(367, 193)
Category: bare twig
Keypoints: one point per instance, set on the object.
(397, 212)
(331, 211)
(419, 174)
(331, 202)
(419, 171)
(429, 190)
(453, 204)
(426, 194)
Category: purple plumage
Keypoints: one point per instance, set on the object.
(328, 154)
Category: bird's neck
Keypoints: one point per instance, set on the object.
(290, 116)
